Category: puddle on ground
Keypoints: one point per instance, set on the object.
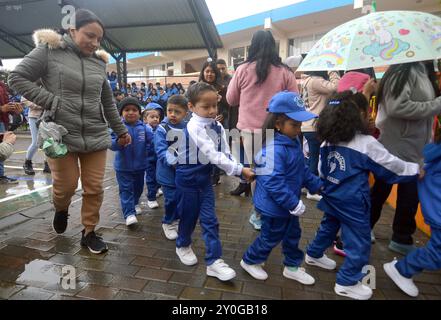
(41, 273)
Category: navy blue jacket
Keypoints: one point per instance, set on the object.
(165, 167)
(345, 169)
(134, 156)
(281, 174)
(429, 189)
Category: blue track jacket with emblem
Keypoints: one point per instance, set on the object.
(345, 169)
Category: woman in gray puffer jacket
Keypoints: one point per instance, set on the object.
(408, 100)
(77, 95)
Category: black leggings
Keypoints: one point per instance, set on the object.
(404, 224)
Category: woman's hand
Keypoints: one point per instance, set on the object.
(125, 140)
(9, 137)
(370, 88)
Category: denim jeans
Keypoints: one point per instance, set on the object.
(2, 168)
(33, 148)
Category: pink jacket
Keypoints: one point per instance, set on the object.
(253, 99)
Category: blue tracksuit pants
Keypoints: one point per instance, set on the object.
(357, 242)
(425, 258)
(171, 213)
(273, 231)
(131, 186)
(194, 204)
(150, 180)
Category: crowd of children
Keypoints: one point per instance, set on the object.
(178, 156)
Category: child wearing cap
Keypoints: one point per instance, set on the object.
(281, 174)
(347, 156)
(152, 117)
(131, 161)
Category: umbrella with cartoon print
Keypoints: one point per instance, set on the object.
(378, 39)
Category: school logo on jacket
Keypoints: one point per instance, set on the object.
(335, 160)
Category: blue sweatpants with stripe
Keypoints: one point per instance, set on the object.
(194, 204)
(131, 186)
(275, 230)
(357, 242)
(425, 258)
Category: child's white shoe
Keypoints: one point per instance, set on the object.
(221, 270)
(323, 262)
(314, 197)
(255, 270)
(187, 256)
(159, 193)
(298, 274)
(131, 220)
(170, 231)
(403, 283)
(153, 204)
(357, 292)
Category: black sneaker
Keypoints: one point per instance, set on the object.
(7, 180)
(46, 168)
(94, 243)
(28, 168)
(60, 221)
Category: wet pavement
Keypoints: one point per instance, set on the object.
(35, 263)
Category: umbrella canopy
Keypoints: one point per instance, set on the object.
(378, 39)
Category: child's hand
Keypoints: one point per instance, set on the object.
(125, 140)
(220, 118)
(248, 174)
(299, 210)
(422, 174)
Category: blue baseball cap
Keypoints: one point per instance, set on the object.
(291, 105)
(154, 106)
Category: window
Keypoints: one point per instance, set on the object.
(303, 44)
(156, 71)
(237, 55)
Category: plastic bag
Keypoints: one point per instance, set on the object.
(50, 139)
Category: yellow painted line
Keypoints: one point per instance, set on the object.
(21, 152)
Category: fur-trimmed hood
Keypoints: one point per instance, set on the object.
(54, 40)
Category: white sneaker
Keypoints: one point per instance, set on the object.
(323, 262)
(298, 274)
(159, 193)
(221, 270)
(187, 256)
(138, 209)
(131, 220)
(255, 270)
(170, 231)
(373, 237)
(153, 204)
(314, 197)
(403, 283)
(357, 292)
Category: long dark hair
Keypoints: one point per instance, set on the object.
(84, 17)
(397, 76)
(263, 51)
(270, 123)
(213, 66)
(342, 118)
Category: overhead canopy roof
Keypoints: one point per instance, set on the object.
(131, 26)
